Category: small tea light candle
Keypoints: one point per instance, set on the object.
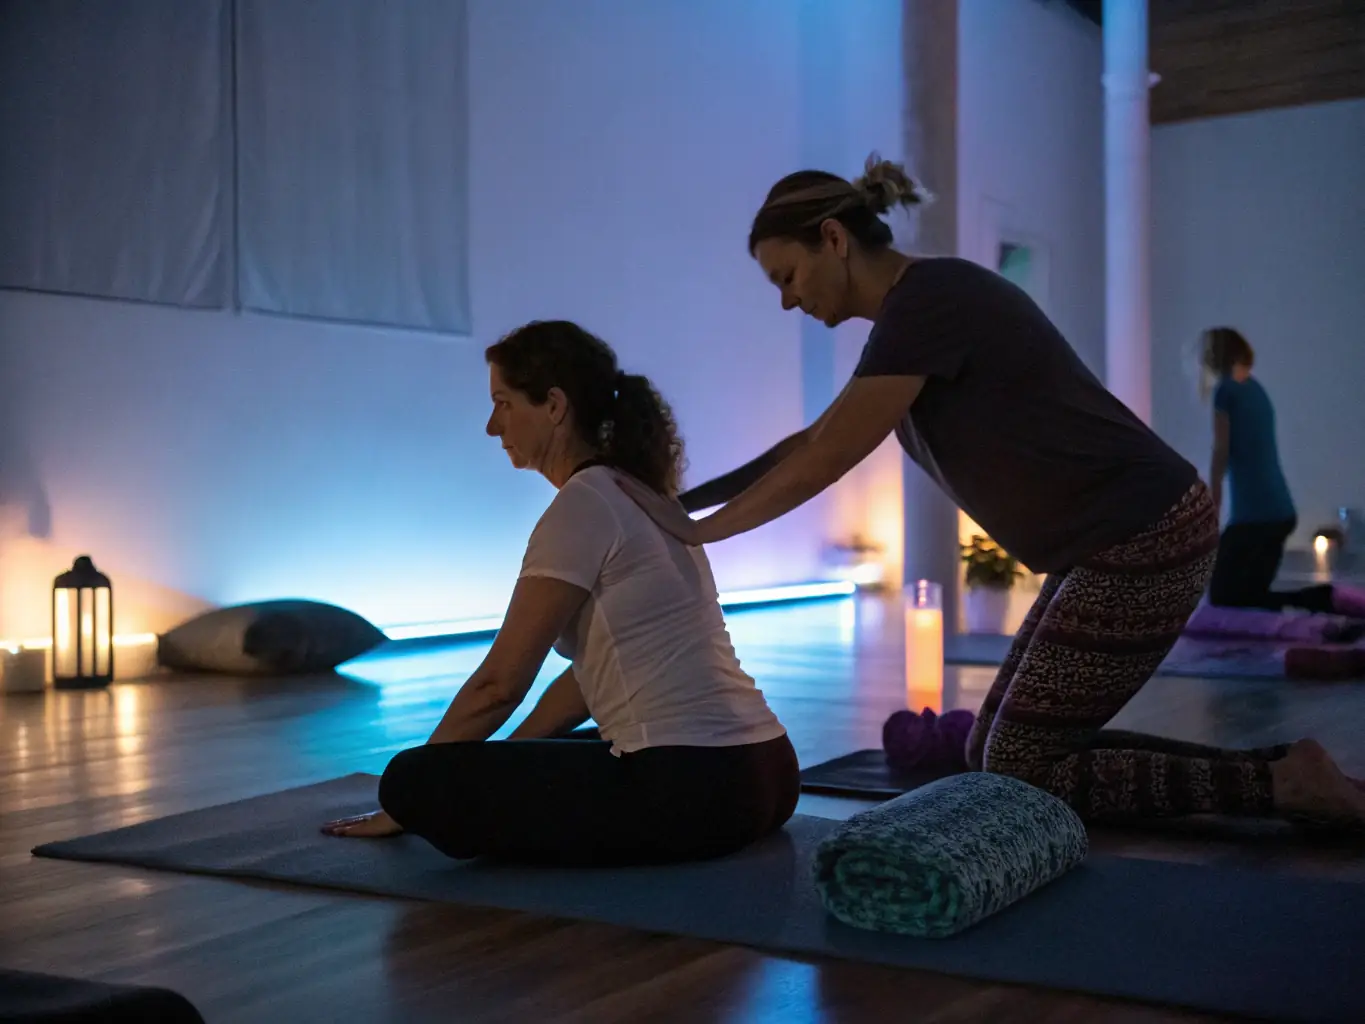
(924, 646)
(25, 670)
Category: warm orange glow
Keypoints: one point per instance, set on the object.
(869, 503)
(924, 646)
(64, 647)
(42, 643)
(967, 528)
(101, 628)
(1321, 544)
(128, 722)
(86, 600)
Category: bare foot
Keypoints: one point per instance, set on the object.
(1307, 783)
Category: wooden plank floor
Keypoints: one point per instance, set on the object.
(72, 764)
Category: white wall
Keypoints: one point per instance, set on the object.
(1030, 152)
(852, 105)
(1259, 223)
(1030, 165)
(619, 150)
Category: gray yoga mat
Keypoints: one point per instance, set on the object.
(1215, 939)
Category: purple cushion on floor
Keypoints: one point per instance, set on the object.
(1257, 624)
(927, 739)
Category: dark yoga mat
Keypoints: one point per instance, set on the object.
(1215, 939)
(35, 998)
(865, 775)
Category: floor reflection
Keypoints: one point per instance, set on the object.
(79, 762)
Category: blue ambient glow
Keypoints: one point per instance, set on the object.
(734, 599)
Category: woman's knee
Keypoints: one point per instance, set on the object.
(399, 788)
(415, 792)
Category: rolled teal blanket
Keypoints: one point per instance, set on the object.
(938, 859)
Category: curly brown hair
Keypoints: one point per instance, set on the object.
(620, 415)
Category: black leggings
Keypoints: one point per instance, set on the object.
(571, 801)
(1249, 556)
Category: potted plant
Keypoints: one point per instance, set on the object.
(990, 574)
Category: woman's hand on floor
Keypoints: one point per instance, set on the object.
(375, 825)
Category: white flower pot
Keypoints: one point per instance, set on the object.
(986, 608)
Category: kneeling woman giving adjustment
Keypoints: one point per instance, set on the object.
(990, 400)
(692, 763)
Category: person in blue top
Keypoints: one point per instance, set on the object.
(1263, 515)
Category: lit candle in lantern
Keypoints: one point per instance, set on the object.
(63, 650)
(924, 646)
(82, 627)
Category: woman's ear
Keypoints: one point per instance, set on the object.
(835, 235)
(557, 405)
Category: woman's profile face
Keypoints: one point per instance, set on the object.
(525, 429)
(813, 280)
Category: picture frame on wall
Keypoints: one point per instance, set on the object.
(1012, 249)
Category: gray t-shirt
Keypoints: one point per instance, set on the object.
(1011, 424)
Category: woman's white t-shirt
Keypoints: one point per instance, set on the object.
(649, 647)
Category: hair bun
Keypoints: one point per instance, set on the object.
(886, 185)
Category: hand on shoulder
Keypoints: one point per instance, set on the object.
(667, 513)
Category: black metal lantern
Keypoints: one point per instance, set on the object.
(82, 627)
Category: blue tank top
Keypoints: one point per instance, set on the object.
(1257, 485)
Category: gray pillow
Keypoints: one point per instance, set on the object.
(287, 637)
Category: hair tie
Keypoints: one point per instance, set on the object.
(836, 193)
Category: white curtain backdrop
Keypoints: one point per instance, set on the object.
(352, 136)
(114, 175)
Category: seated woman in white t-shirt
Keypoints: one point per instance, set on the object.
(691, 762)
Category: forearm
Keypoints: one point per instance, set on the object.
(1218, 462)
(790, 484)
(861, 418)
(1218, 468)
(561, 709)
(479, 710)
(726, 488)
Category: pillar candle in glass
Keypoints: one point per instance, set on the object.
(923, 645)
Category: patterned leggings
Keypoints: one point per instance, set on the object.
(1093, 638)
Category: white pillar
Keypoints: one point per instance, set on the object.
(929, 34)
(1127, 233)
